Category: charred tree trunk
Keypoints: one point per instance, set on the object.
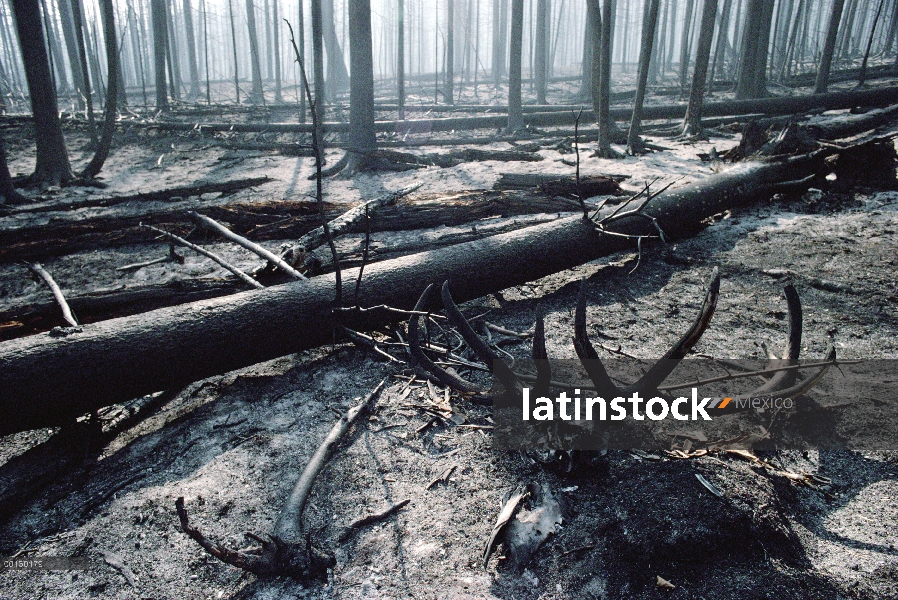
(47, 381)
(112, 90)
(692, 126)
(68, 34)
(586, 65)
(863, 76)
(541, 50)
(337, 76)
(318, 59)
(361, 85)
(160, 49)
(191, 51)
(829, 47)
(634, 143)
(400, 58)
(601, 19)
(257, 96)
(500, 39)
(515, 113)
(8, 193)
(449, 84)
(78, 21)
(301, 33)
(52, 165)
(753, 77)
(276, 58)
(234, 50)
(684, 45)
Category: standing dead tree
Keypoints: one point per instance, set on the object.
(634, 142)
(692, 126)
(112, 90)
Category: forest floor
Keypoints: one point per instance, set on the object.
(232, 445)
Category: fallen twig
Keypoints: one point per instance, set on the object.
(242, 241)
(373, 518)
(287, 551)
(57, 293)
(211, 255)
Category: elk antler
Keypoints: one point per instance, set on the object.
(649, 382)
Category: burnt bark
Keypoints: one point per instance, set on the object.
(692, 126)
(515, 120)
(257, 94)
(829, 47)
(52, 166)
(634, 142)
(160, 49)
(112, 91)
(362, 136)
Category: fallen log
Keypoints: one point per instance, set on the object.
(174, 194)
(109, 304)
(261, 221)
(47, 381)
(769, 106)
(564, 186)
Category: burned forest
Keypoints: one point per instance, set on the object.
(511, 299)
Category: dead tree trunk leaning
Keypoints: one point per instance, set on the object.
(863, 75)
(52, 166)
(634, 142)
(692, 124)
(112, 90)
(515, 114)
(160, 47)
(829, 47)
(47, 381)
(257, 95)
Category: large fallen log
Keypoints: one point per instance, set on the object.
(259, 221)
(768, 106)
(48, 380)
(173, 194)
(100, 305)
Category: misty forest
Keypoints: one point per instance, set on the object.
(268, 266)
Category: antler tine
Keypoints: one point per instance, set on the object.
(587, 354)
(792, 347)
(414, 345)
(502, 371)
(658, 372)
(541, 360)
(800, 388)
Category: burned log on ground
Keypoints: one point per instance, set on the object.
(101, 305)
(564, 186)
(261, 221)
(883, 96)
(47, 380)
(173, 194)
